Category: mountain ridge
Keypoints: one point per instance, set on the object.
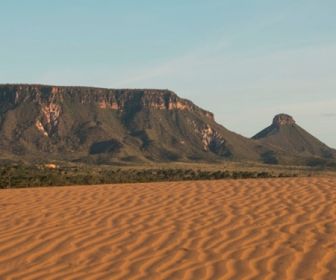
(100, 125)
(154, 123)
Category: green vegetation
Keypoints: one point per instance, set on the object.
(14, 176)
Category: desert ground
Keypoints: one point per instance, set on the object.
(226, 229)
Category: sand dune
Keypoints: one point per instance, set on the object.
(244, 229)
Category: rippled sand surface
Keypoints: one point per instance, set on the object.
(244, 229)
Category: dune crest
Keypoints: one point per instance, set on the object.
(233, 229)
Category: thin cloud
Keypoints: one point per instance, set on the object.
(329, 115)
(185, 62)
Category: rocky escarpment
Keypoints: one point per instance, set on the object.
(51, 98)
(114, 99)
(112, 124)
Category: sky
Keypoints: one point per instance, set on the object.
(243, 60)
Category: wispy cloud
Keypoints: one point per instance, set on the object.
(329, 115)
(194, 58)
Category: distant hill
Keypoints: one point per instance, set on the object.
(290, 140)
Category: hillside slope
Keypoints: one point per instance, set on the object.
(105, 125)
(289, 139)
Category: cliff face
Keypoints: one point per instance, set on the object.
(50, 99)
(114, 99)
(109, 125)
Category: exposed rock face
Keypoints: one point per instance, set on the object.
(115, 99)
(126, 123)
(50, 117)
(211, 138)
(41, 128)
(283, 119)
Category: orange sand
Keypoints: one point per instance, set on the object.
(244, 229)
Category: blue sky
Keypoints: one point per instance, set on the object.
(243, 60)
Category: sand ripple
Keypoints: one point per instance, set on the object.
(244, 229)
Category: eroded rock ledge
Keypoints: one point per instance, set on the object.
(113, 99)
(282, 120)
